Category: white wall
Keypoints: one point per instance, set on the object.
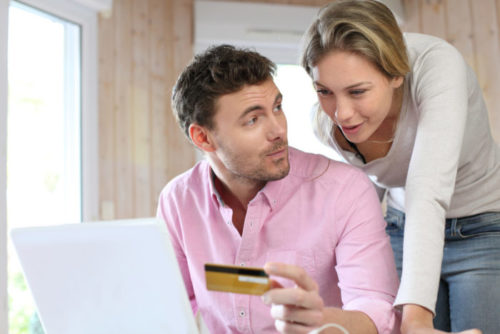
(274, 30)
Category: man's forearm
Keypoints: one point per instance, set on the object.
(353, 321)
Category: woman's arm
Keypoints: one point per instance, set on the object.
(418, 320)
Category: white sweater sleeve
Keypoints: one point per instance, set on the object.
(439, 90)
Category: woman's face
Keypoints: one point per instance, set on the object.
(357, 96)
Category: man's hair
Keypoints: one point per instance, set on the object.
(218, 71)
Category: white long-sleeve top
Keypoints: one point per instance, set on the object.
(443, 161)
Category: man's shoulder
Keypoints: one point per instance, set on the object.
(316, 166)
(194, 178)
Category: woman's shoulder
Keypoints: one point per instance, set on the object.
(423, 47)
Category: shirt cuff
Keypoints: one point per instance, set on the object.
(384, 316)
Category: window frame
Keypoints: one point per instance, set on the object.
(86, 18)
(4, 12)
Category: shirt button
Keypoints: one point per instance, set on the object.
(242, 313)
(242, 264)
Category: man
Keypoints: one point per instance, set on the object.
(315, 224)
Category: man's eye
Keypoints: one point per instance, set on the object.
(279, 107)
(252, 121)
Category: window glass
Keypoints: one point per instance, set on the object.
(299, 101)
(43, 138)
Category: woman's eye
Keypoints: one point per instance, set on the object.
(357, 92)
(322, 91)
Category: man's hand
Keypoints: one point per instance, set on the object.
(418, 320)
(295, 310)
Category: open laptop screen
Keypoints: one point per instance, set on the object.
(104, 278)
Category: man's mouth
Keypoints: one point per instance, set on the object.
(277, 151)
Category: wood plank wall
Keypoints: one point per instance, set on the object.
(472, 27)
(145, 44)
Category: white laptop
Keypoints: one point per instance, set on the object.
(105, 277)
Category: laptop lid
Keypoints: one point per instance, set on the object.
(104, 278)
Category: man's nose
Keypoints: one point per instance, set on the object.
(277, 128)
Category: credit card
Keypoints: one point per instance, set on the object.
(236, 279)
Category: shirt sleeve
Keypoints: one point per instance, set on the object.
(439, 90)
(365, 263)
(167, 212)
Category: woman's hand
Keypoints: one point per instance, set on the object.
(296, 310)
(418, 320)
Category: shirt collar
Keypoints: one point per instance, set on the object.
(216, 197)
(274, 190)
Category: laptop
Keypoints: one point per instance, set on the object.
(105, 278)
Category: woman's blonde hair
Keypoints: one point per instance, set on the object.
(364, 27)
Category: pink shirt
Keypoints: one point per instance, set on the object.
(325, 216)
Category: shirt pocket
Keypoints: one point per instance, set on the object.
(303, 258)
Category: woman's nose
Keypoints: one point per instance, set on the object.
(343, 112)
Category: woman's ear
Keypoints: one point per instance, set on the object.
(201, 138)
(396, 82)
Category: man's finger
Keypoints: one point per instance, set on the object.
(297, 315)
(294, 297)
(292, 272)
(290, 327)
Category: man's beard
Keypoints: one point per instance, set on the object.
(239, 167)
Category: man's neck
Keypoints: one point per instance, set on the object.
(236, 193)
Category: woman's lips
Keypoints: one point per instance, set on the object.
(350, 130)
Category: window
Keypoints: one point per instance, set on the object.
(51, 118)
(299, 101)
(43, 134)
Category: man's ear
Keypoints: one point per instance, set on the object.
(201, 138)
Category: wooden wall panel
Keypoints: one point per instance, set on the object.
(143, 47)
(412, 16)
(161, 45)
(106, 90)
(459, 28)
(141, 109)
(122, 111)
(487, 53)
(313, 3)
(432, 18)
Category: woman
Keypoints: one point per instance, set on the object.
(409, 112)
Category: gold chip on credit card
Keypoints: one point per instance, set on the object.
(247, 280)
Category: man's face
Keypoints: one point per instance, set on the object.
(250, 133)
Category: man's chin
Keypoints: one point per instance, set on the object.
(281, 173)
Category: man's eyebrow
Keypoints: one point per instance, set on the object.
(248, 110)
